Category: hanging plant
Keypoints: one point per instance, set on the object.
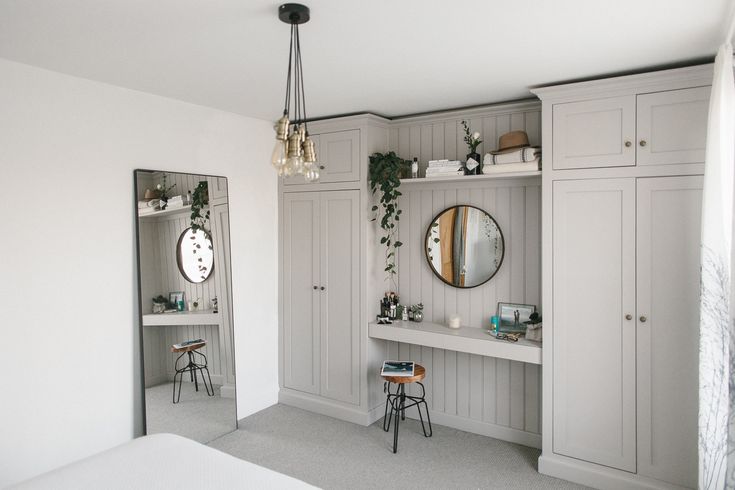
(385, 178)
(199, 199)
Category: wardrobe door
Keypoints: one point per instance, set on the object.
(672, 126)
(300, 291)
(339, 154)
(340, 299)
(593, 327)
(668, 237)
(594, 133)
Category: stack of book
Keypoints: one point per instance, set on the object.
(443, 168)
(175, 202)
(147, 207)
(521, 160)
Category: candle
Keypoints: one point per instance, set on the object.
(454, 321)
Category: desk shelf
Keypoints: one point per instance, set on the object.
(464, 339)
(473, 178)
(203, 317)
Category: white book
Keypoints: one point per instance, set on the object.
(511, 167)
(397, 368)
(444, 174)
(443, 170)
(520, 155)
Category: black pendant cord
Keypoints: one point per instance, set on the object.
(288, 77)
(302, 97)
(297, 92)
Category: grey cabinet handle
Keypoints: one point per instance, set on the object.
(316, 287)
(628, 316)
(642, 143)
(323, 288)
(628, 144)
(643, 319)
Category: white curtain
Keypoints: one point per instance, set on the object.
(717, 334)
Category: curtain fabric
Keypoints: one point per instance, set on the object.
(717, 335)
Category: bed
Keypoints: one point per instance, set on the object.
(162, 461)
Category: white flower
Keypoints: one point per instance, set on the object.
(476, 135)
(159, 187)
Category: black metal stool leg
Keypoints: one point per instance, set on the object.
(403, 401)
(385, 415)
(397, 409)
(421, 400)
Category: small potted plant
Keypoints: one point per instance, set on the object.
(162, 190)
(473, 141)
(416, 312)
(159, 304)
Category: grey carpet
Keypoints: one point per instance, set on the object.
(196, 416)
(330, 453)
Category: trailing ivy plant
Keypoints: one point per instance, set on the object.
(199, 199)
(385, 177)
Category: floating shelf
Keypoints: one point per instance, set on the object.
(473, 178)
(203, 317)
(464, 339)
(184, 210)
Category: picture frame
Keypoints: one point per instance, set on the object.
(513, 315)
(174, 297)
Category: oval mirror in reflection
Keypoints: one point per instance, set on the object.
(464, 246)
(195, 255)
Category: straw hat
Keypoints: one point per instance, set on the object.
(151, 194)
(511, 141)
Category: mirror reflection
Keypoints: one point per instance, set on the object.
(195, 255)
(185, 304)
(464, 246)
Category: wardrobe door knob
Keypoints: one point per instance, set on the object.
(643, 319)
(315, 287)
(321, 167)
(323, 288)
(628, 144)
(628, 316)
(642, 143)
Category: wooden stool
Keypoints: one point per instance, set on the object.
(192, 367)
(397, 401)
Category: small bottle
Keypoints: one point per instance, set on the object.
(415, 168)
(392, 311)
(188, 197)
(404, 314)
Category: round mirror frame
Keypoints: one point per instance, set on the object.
(428, 234)
(178, 256)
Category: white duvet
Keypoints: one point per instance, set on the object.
(162, 461)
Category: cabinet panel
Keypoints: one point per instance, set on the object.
(594, 133)
(339, 154)
(593, 343)
(668, 239)
(672, 126)
(300, 299)
(340, 321)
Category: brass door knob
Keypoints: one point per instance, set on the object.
(628, 144)
(642, 143)
(643, 319)
(628, 316)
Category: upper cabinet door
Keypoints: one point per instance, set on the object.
(669, 210)
(672, 126)
(594, 133)
(301, 291)
(340, 299)
(593, 328)
(339, 154)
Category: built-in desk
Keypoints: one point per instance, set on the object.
(464, 339)
(202, 317)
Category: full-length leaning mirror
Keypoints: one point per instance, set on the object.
(464, 246)
(185, 296)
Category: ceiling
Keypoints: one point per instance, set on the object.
(390, 57)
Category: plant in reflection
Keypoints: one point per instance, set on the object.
(433, 240)
(163, 188)
(199, 200)
(492, 232)
(385, 178)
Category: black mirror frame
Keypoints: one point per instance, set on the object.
(426, 250)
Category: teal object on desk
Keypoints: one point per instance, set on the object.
(494, 323)
(180, 305)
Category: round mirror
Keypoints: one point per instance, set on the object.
(195, 255)
(464, 246)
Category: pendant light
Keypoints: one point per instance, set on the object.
(294, 153)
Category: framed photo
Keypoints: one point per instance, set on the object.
(513, 315)
(174, 297)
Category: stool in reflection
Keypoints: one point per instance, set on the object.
(192, 367)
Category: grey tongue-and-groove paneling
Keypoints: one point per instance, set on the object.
(486, 391)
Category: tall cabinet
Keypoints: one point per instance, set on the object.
(325, 286)
(621, 224)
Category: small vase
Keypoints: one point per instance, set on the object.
(418, 316)
(477, 170)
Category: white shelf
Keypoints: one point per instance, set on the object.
(473, 178)
(464, 339)
(184, 210)
(203, 317)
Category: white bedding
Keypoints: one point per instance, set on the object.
(162, 461)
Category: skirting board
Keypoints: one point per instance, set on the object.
(597, 476)
(357, 416)
(217, 379)
(327, 407)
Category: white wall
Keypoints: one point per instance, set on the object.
(68, 147)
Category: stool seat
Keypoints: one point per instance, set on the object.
(419, 373)
(188, 348)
